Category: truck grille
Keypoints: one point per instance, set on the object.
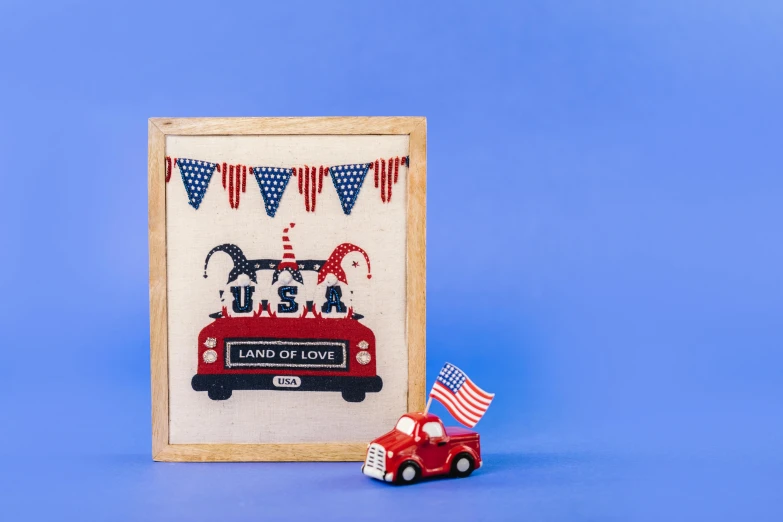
(376, 459)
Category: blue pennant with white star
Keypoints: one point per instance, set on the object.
(196, 176)
(348, 180)
(272, 181)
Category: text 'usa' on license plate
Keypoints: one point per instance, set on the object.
(286, 353)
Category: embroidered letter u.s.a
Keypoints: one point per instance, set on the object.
(289, 304)
(333, 295)
(239, 304)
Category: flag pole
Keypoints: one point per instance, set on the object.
(429, 401)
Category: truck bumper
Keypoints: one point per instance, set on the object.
(372, 472)
(378, 474)
(203, 382)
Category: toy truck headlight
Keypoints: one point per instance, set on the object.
(209, 356)
(363, 357)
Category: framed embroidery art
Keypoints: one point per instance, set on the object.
(287, 284)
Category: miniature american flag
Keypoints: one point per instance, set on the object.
(464, 400)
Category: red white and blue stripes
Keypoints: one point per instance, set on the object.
(311, 182)
(387, 172)
(465, 401)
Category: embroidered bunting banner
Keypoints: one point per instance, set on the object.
(272, 181)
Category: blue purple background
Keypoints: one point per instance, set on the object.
(604, 247)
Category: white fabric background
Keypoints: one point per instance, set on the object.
(257, 416)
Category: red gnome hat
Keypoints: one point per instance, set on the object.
(333, 265)
(289, 259)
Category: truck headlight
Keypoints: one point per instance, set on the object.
(209, 356)
(363, 357)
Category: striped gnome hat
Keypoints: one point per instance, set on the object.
(289, 259)
(333, 265)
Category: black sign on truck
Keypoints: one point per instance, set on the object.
(286, 353)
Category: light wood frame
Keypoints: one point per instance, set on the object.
(159, 128)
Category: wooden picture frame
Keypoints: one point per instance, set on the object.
(159, 129)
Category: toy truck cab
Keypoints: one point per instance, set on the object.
(420, 446)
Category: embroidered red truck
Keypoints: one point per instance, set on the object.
(266, 353)
(295, 346)
(420, 446)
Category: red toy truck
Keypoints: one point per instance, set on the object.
(270, 353)
(419, 446)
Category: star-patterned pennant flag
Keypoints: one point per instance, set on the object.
(196, 176)
(348, 180)
(272, 181)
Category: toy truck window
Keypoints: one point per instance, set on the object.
(405, 425)
(433, 429)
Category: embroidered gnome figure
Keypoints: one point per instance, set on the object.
(287, 283)
(336, 299)
(238, 297)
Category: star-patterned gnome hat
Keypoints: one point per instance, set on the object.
(289, 259)
(241, 264)
(333, 265)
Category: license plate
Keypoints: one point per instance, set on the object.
(286, 353)
(287, 381)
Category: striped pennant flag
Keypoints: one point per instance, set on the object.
(465, 401)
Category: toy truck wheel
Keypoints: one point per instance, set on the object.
(463, 465)
(219, 392)
(354, 395)
(408, 473)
